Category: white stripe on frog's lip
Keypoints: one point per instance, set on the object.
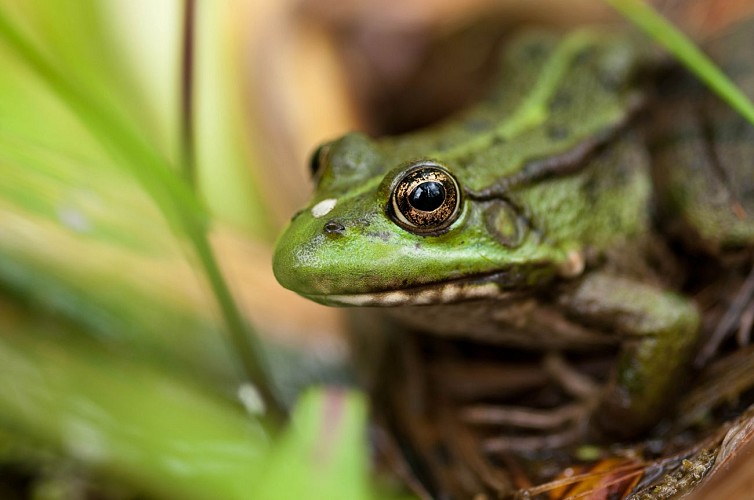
(441, 294)
(324, 207)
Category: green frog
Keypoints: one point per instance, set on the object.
(537, 218)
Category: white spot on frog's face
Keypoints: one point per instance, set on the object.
(323, 208)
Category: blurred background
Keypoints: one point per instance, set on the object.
(120, 374)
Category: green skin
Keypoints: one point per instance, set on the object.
(557, 188)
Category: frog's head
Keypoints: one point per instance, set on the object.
(377, 233)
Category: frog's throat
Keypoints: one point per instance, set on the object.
(441, 293)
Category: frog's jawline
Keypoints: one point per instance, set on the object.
(479, 287)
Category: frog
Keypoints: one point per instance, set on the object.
(536, 218)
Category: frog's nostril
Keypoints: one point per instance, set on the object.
(333, 227)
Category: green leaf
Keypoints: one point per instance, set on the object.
(141, 424)
(323, 453)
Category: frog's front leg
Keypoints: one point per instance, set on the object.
(658, 330)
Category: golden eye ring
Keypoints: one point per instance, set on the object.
(425, 198)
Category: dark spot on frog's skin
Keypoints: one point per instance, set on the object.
(591, 189)
(610, 80)
(535, 50)
(474, 126)
(615, 220)
(583, 56)
(498, 140)
(560, 100)
(596, 186)
(464, 161)
(362, 222)
(442, 145)
(622, 174)
(382, 235)
(557, 132)
(334, 228)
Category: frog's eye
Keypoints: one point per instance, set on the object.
(425, 198)
(317, 159)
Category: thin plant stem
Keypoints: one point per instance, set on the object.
(188, 57)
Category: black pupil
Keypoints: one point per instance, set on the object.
(427, 196)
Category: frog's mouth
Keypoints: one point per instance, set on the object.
(478, 287)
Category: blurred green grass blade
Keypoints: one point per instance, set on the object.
(231, 153)
(323, 453)
(176, 201)
(656, 26)
(115, 414)
(73, 35)
(136, 156)
(73, 240)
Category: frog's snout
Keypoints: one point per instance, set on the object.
(321, 256)
(287, 266)
(299, 262)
